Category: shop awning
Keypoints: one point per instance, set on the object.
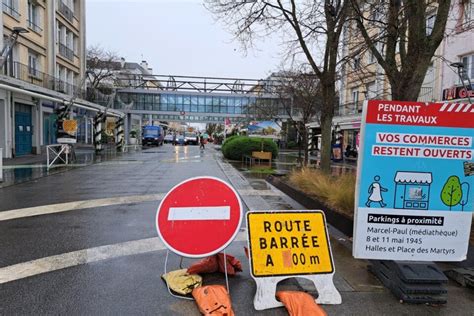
(413, 177)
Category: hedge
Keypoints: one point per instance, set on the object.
(237, 146)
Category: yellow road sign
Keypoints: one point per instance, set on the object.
(70, 127)
(288, 243)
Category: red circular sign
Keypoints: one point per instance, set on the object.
(199, 217)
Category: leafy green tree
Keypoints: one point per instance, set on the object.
(451, 193)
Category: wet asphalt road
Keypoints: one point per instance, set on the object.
(121, 285)
(128, 283)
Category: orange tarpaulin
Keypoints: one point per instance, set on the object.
(299, 304)
(215, 263)
(213, 300)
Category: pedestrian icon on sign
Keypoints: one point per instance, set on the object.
(375, 191)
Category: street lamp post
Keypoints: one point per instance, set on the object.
(10, 43)
(464, 78)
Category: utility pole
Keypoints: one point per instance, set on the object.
(8, 47)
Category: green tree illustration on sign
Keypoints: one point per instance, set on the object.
(451, 193)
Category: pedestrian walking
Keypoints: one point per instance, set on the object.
(174, 139)
(201, 141)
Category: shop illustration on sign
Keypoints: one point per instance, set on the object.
(414, 194)
(412, 190)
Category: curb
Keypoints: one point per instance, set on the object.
(336, 219)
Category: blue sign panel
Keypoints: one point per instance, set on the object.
(415, 181)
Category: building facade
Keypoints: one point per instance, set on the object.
(362, 78)
(44, 50)
(458, 47)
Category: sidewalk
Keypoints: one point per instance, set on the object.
(362, 293)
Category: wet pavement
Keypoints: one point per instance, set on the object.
(92, 248)
(30, 167)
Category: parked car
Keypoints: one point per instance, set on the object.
(191, 139)
(180, 140)
(168, 139)
(152, 135)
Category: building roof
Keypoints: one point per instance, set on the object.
(413, 177)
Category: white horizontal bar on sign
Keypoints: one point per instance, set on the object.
(199, 213)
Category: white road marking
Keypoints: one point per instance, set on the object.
(77, 205)
(199, 213)
(85, 256)
(9, 167)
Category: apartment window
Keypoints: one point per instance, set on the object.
(430, 24)
(69, 40)
(356, 63)
(33, 64)
(10, 7)
(76, 45)
(355, 100)
(371, 57)
(468, 62)
(34, 17)
(371, 91)
(468, 11)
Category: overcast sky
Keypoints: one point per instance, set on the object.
(175, 37)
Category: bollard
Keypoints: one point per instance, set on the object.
(119, 139)
(98, 120)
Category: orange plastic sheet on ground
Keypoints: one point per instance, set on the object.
(299, 303)
(213, 300)
(215, 263)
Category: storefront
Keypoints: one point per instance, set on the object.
(348, 128)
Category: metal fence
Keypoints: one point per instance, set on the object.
(29, 74)
(66, 52)
(65, 10)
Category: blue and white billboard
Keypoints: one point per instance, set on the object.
(415, 181)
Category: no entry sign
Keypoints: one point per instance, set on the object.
(199, 217)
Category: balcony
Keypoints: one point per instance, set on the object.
(66, 52)
(34, 27)
(65, 11)
(31, 75)
(10, 11)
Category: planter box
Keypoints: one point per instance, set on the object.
(342, 222)
(132, 141)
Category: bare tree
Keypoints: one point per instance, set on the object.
(315, 28)
(403, 37)
(301, 99)
(101, 66)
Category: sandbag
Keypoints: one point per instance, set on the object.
(206, 265)
(233, 264)
(216, 263)
(181, 282)
(213, 300)
(300, 303)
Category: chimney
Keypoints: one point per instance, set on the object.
(144, 64)
(122, 62)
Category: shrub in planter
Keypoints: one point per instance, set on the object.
(229, 139)
(242, 145)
